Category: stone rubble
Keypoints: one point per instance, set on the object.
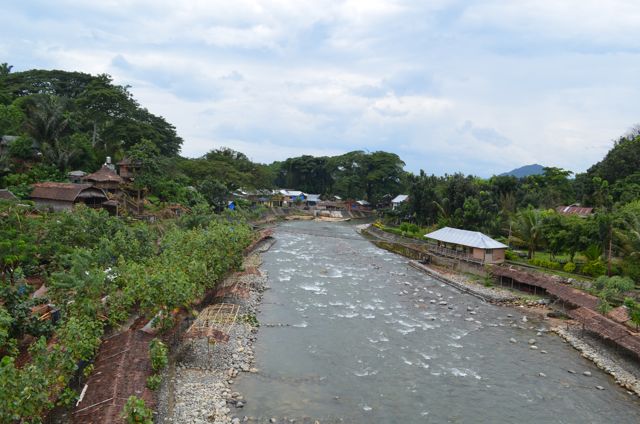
(199, 389)
(601, 360)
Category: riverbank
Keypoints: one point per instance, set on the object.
(625, 370)
(197, 384)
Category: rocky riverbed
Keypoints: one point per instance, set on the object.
(197, 385)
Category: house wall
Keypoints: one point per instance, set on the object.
(478, 253)
(56, 205)
(498, 255)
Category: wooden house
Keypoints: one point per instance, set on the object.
(64, 196)
(398, 200)
(105, 178)
(127, 169)
(472, 246)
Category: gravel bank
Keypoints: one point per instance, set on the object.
(489, 294)
(197, 385)
(622, 369)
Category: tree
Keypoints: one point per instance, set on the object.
(5, 69)
(215, 192)
(527, 228)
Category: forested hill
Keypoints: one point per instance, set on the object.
(617, 175)
(525, 171)
(60, 121)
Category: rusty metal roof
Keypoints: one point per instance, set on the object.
(67, 192)
(619, 314)
(607, 328)
(104, 174)
(574, 210)
(550, 284)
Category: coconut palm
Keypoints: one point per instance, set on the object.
(527, 229)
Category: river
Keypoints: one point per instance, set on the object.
(351, 333)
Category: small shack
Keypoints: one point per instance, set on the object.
(104, 178)
(312, 199)
(467, 245)
(576, 210)
(128, 168)
(398, 200)
(63, 196)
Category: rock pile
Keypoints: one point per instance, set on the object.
(601, 359)
(197, 388)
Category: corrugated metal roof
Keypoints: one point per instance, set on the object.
(465, 238)
(104, 174)
(313, 197)
(68, 192)
(292, 193)
(574, 210)
(400, 198)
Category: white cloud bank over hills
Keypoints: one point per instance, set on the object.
(472, 86)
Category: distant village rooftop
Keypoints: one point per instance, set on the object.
(574, 210)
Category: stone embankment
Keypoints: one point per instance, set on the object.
(197, 385)
(601, 357)
(488, 294)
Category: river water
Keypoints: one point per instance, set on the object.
(351, 333)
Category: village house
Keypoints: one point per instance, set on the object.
(398, 200)
(576, 210)
(105, 178)
(64, 196)
(312, 200)
(291, 197)
(76, 176)
(127, 169)
(472, 246)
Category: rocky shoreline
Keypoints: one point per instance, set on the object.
(197, 386)
(602, 358)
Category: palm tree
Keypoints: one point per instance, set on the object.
(49, 124)
(527, 229)
(5, 69)
(47, 118)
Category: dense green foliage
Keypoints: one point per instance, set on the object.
(99, 269)
(354, 175)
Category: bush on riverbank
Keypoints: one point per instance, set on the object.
(100, 269)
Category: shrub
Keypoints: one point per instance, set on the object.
(544, 263)
(136, 412)
(569, 267)
(594, 268)
(510, 255)
(158, 355)
(153, 381)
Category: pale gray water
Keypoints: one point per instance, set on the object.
(358, 349)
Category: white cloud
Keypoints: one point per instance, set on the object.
(539, 81)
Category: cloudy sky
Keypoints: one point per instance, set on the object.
(474, 86)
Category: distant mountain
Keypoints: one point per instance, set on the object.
(525, 171)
